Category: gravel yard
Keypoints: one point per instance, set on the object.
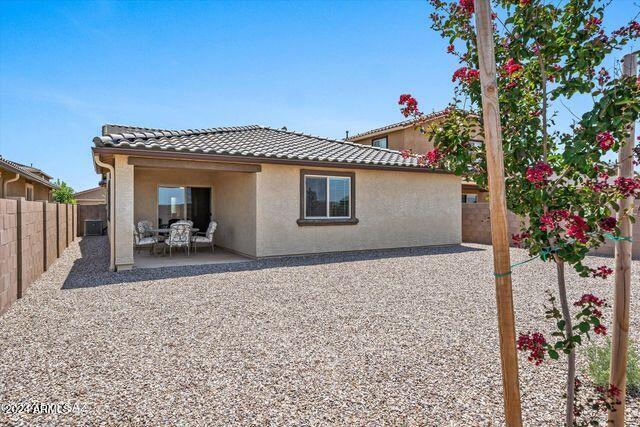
(383, 337)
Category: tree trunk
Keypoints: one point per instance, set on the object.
(568, 330)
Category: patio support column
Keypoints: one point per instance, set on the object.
(123, 212)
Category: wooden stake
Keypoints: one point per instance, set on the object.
(622, 296)
(498, 211)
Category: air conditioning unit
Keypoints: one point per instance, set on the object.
(93, 227)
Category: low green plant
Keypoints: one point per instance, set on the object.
(599, 358)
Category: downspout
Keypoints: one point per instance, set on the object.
(112, 211)
(4, 189)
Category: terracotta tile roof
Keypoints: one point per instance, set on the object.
(256, 142)
(25, 171)
(400, 125)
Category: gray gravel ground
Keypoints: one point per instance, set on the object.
(386, 337)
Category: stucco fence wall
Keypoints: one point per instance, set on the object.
(32, 236)
(84, 212)
(476, 228)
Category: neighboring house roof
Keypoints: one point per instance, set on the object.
(90, 190)
(25, 171)
(257, 143)
(400, 125)
(37, 171)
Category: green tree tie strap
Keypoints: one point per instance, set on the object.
(544, 254)
(616, 238)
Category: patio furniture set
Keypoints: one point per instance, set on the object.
(180, 234)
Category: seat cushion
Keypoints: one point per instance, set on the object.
(200, 239)
(147, 241)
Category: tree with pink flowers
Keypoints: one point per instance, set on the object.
(558, 179)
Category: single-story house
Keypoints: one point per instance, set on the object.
(273, 192)
(18, 180)
(92, 196)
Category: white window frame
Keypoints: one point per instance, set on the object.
(466, 196)
(386, 141)
(28, 187)
(327, 178)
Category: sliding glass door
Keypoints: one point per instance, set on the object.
(192, 203)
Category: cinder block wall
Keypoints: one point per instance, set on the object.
(476, 228)
(70, 227)
(51, 244)
(476, 223)
(31, 244)
(8, 253)
(32, 237)
(62, 228)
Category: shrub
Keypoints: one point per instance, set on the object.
(599, 358)
(64, 193)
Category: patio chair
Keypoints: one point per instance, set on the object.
(144, 228)
(141, 241)
(204, 237)
(184, 221)
(179, 237)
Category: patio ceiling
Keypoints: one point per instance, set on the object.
(192, 165)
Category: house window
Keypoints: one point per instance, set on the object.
(327, 198)
(469, 198)
(29, 191)
(380, 142)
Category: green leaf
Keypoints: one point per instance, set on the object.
(561, 324)
(584, 326)
(553, 354)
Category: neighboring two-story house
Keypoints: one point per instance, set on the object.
(18, 180)
(406, 135)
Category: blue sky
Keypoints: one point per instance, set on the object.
(318, 67)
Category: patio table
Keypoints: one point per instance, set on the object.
(158, 231)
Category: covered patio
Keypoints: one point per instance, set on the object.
(144, 259)
(162, 191)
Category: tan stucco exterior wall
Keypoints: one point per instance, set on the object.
(257, 213)
(96, 196)
(124, 203)
(18, 188)
(233, 201)
(395, 209)
(403, 139)
(235, 211)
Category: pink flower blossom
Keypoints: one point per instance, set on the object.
(608, 223)
(539, 172)
(434, 156)
(603, 271)
(593, 23)
(600, 330)
(577, 228)
(605, 140)
(535, 344)
(466, 6)
(467, 75)
(552, 219)
(587, 299)
(512, 66)
(627, 187)
(603, 76)
(518, 238)
(410, 105)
